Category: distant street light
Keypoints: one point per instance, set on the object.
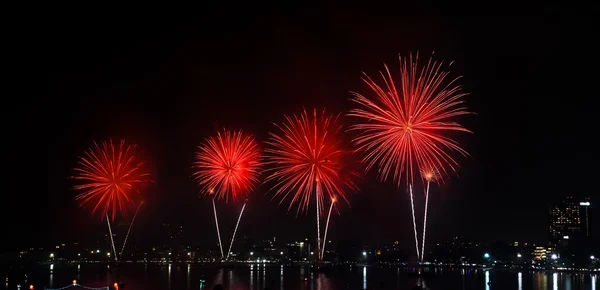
(592, 257)
(251, 253)
(51, 255)
(519, 255)
(281, 253)
(365, 254)
(486, 255)
(108, 254)
(554, 257)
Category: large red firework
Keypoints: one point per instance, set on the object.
(110, 177)
(227, 166)
(306, 159)
(402, 128)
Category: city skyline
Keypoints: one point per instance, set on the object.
(166, 89)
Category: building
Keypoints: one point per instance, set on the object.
(585, 212)
(539, 253)
(569, 219)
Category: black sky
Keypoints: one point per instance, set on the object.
(166, 80)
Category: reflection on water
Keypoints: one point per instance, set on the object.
(187, 280)
(169, 277)
(365, 277)
(265, 276)
(281, 278)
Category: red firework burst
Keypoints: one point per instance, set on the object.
(402, 128)
(227, 165)
(307, 160)
(110, 176)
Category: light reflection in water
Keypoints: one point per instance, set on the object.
(51, 276)
(281, 278)
(364, 277)
(487, 280)
(520, 278)
(593, 282)
(187, 280)
(264, 283)
(555, 281)
(219, 278)
(169, 277)
(251, 276)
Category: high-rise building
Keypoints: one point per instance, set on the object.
(569, 220)
(585, 211)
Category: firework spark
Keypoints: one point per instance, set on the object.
(227, 166)
(306, 159)
(110, 176)
(401, 130)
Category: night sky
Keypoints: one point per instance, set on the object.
(167, 80)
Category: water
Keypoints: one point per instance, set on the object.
(260, 276)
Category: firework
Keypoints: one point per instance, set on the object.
(227, 165)
(403, 129)
(307, 161)
(227, 168)
(110, 177)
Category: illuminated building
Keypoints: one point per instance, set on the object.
(539, 253)
(569, 220)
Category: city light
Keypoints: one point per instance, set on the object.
(30, 287)
(97, 251)
(585, 203)
(74, 282)
(592, 257)
(566, 237)
(251, 253)
(51, 255)
(312, 253)
(281, 253)
(486, 255)
(364, 253)
(108, 254)
(519, 256)
(554, 257)
(189, 254)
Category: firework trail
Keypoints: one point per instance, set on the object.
(109, 177)
(327, 228)
(227, 168)
(217, 226)
(306, 160)
(235, 230)
(425, 221)
(129, 230)
(412, 207)
(112, 242)
(402, 129)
